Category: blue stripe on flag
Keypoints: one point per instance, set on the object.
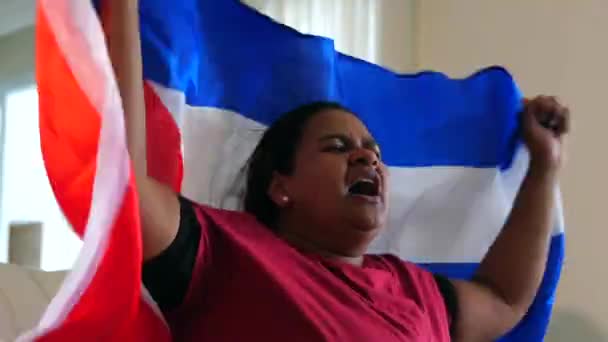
(535, 324)
(224, 54)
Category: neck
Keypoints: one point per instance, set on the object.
(307, 246)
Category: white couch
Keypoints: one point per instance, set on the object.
(24, 294)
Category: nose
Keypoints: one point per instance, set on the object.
(365, 157)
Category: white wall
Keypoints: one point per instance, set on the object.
(555, 47)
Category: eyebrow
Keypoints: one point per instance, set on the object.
(368, 142)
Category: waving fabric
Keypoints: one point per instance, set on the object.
(217, 73)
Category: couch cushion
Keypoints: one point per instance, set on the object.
(24, 294)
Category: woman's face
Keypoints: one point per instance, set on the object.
(337, 192)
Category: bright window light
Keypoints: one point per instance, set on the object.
(26, 192)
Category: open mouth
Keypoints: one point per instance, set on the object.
(366, 185)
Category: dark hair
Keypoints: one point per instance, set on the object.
(276, 153)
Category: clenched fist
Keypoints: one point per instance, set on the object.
(545, 121)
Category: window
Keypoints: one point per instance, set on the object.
(26, 192)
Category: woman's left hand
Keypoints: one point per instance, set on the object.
(544, 123)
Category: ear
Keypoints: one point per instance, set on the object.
(277, 190)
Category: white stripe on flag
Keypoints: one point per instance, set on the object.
(450, 214)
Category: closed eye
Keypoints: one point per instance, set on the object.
(341, 143)
(340, 148)
(336, 143)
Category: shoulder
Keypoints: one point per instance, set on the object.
(202, 233)
(209, 219)
(228, 223)
(206, 213)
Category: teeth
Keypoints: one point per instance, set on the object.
(362, 180)
(358, 187)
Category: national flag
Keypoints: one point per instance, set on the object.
(217, 73)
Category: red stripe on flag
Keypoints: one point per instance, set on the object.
(69, 130)
(164, 150)
(110, 307)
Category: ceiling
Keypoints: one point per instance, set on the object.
(15, 15)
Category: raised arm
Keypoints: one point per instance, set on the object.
(510, 274)
(159, 206)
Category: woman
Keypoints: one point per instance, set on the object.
(294, 266)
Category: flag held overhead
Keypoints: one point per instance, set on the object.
(214, 81)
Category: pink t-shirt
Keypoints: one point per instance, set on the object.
(249, 285)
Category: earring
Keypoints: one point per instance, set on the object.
(285, 199)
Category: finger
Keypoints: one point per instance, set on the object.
(555, 120)
(545, 102)
(531, 117)
(556, 124)
(530, 106)
(548, 111)
(548, 104)
(544, 113)
(561, 121)
(564, 125)
(545, 118)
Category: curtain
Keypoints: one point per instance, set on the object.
(379, 31)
